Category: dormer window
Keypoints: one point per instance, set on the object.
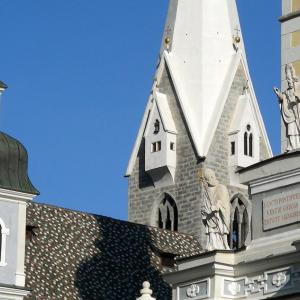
(156, 127)
(248, 141)
(156, 146)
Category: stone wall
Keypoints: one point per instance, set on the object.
(143, 197)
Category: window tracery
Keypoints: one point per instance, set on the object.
(239, 223)
(168, 214)
(248, 141)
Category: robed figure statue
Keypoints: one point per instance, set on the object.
(215, 211)
(289, 101)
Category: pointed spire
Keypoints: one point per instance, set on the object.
(202, 43)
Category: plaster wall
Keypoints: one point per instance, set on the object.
(9, 215)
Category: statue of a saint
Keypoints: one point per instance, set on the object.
(215, 211)
(289, 101)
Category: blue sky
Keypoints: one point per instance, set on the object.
(79, 75)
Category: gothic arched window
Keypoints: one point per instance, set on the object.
(167, 214)
(156, 127)
(248, 141)
(239, 223)
(251, 144)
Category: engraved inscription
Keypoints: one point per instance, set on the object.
(280, 211)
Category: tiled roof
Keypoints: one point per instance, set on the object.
(76, 255)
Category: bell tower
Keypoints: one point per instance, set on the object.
(202, 113)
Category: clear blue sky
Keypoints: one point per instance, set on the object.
(79, 75)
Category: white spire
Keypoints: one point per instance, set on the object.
(201, 53)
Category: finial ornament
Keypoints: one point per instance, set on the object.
(146, 292)
(289, 101)
(236, 39)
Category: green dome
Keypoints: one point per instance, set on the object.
(14, 166)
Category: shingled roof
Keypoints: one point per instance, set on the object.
(75, 255)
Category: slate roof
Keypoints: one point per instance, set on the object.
(76, 255)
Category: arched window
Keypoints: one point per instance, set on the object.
(167, 214)
(3, 234)
(156, 126)
(251, 145)
(239, 223)
(248, 141)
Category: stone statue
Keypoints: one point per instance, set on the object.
(289, 101)
(215, 211)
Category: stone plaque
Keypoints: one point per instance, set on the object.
(281, 209)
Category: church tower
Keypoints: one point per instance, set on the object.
(290, 45)
(202, 113)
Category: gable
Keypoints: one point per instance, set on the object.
(202, 139)
(243, 115)
(160, 110)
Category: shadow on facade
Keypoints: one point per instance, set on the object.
(145, 180)
(122, 260)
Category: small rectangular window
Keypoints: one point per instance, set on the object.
(295, 5)
(156, 146)
(172, 146)
(232, 148)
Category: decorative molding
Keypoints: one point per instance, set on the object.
(194, 290)
(289, 16)
(234, 288)
(9, 195)
(279, 279)
(13, 293)
(275, 181)
(270, 282)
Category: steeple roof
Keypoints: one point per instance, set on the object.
(200, 50)
(14, 166)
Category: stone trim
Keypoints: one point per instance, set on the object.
(269, 282)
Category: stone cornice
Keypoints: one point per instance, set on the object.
(289, 16)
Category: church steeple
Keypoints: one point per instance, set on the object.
(203, 89)
(202, 43)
